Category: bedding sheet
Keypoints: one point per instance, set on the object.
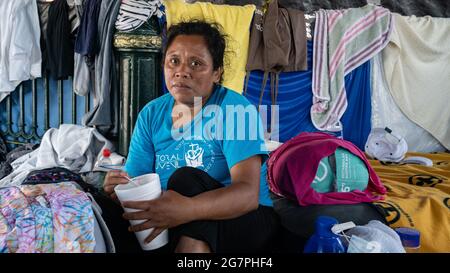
(418, 197)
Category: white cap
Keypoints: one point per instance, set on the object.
(384, 145)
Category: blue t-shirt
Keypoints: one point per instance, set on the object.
(226, 131)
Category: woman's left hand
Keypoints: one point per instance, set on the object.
(169, 210)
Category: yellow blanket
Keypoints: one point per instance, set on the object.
(419, 197)
(235, 21)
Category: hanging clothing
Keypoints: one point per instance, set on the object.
(43, 8)
(105, 113)
(386, 113)
(294, 99)
(134, 13)
(344, 39)
(20, 53)
(59, 41)
(277, 44)
(86, 47)
(86, 42)
(75, 10)
(81, 81)
(416, 66)
(278, 40)
(235, 21)
(356, 120)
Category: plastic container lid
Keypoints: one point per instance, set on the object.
(324, 224)
(410, 237)
(324, 240)
(106, 152)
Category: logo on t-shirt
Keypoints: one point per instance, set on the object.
(194, 156)
(196, 153)
(167, 161)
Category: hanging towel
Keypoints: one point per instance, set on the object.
(294, 100)
(416, 65)
(235, 21)
(344, 39)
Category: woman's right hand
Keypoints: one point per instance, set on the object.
(112, 179)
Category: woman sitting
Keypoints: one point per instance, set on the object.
(205, 143)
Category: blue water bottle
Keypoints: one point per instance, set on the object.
(324, 240)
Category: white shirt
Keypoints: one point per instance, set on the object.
(20, 53)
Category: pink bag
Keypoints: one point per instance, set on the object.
(293, 166)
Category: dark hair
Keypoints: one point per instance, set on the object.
(215, 40)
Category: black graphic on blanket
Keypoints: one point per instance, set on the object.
(390, 211)
(442, 163)
(387, 163)
(447, 202)
(425, 180)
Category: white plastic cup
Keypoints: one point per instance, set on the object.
(141, 188)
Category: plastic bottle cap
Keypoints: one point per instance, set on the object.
(324, 224)
(324, 240)
(410, 237)
(106, 152)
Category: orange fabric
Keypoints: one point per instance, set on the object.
(419, 197)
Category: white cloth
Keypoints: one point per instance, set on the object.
(383, 239)
(4, 95)
(81, 76)
(71, 146)
(416, 65)
(385, 113)
(20, 53)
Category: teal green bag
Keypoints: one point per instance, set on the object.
(341, 172)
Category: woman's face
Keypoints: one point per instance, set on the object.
(188, 69)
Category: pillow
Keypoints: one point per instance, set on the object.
(341, 172)
(235, 21)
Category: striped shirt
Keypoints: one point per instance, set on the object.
(343, 40)
(134, 13)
